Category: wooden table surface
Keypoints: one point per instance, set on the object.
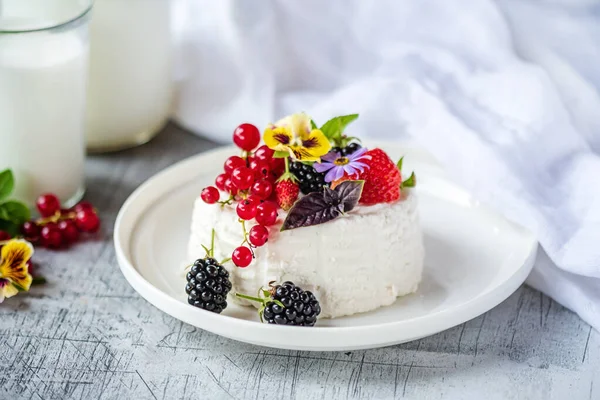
(88, 335)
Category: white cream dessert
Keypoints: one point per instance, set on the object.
(353, 264)
(311, 224)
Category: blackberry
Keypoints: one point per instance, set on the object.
(207, 285)
(309, 180)
(346, 151)
(288, 304)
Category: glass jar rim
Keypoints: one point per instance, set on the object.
(51, 25)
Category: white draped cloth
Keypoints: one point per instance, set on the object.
(505, 94)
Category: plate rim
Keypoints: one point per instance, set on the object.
(431, 322)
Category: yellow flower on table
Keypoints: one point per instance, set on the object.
(295, 135)
(14, 272)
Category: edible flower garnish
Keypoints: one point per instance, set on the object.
(296, 135)
(14, 273)
(339, 165)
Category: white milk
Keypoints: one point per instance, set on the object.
(42, 106)
(129, 94)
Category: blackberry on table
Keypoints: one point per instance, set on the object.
(207, 285)
(309, 180)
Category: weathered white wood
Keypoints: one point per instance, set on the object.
(88, 335)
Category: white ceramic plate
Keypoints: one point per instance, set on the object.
(474, 260)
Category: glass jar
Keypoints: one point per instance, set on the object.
(43, 75)
(129, 95)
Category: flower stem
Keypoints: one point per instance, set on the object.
(251, 298)
(212, 243)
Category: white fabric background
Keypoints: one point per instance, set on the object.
(505, 94)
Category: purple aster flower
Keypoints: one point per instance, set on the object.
(339, 165)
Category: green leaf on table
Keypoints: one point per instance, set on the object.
(16, 211)
(334, 128)
(7, 183)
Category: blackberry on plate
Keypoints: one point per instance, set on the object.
(208, 283)
(287, 304)
(309, 180)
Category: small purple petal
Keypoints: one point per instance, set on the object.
(330, 175)
(357, 153)
(331, 156)
(360, 165)
(349, 169)
(339, 172)
(322, 167)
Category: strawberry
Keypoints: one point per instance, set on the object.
(382, 179)
(286, 191)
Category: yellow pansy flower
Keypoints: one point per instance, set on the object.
(295, 135)
(14, 273)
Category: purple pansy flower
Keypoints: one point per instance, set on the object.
(339, 165)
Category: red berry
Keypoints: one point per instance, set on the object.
(382, 179)
(87, 221)
(263, 153)
(246, 137)
(287, 193)
(4, 236)
(261, 169)
(242, 256)
(246, 208)
(233, 162)
(69, 231)
(51, 236)
(30, 230)
(262, 188)
(84, 205)
(266, 213)
(242, 177)
(277, 166)
(258, 235)
(47, 204)
(230, 187)
(210, 194)
(220, 181)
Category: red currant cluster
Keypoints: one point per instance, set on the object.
(57, 227)
(250, 180)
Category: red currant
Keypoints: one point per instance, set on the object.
(210, 195)
(263, 153)
(51, 236)
(266, 213)
(262, 188)
(84, 205)
(246, 137)
(30, 230)
(242, 177)
(4, 236)
(47, 204)
(87, 221)
(260, 168)
(69, 231)
(220, 181)
(258, 235)
(233, 162)
(246, 208)
(230, 187)
(242, 256)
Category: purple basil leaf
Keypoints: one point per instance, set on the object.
(349, 193)
(313, 209)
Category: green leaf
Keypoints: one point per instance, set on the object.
(410, 182)
(281, 154)
(333, 128)
(10, 227)
(313, 125)
(18, 287)
(17, 211)
(399, 163)
(38, 280)
(7, 183)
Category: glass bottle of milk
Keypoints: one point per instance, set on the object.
(129, 95)
(43, 75)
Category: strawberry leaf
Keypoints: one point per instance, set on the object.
(399, 163)
(410, 182)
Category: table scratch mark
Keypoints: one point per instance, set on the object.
(151, 392)
(477, 338)
(587, 342)
(219, 383)
(462, 331)
(329, 373)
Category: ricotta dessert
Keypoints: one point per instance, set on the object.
(353, 264)
(310, 224)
